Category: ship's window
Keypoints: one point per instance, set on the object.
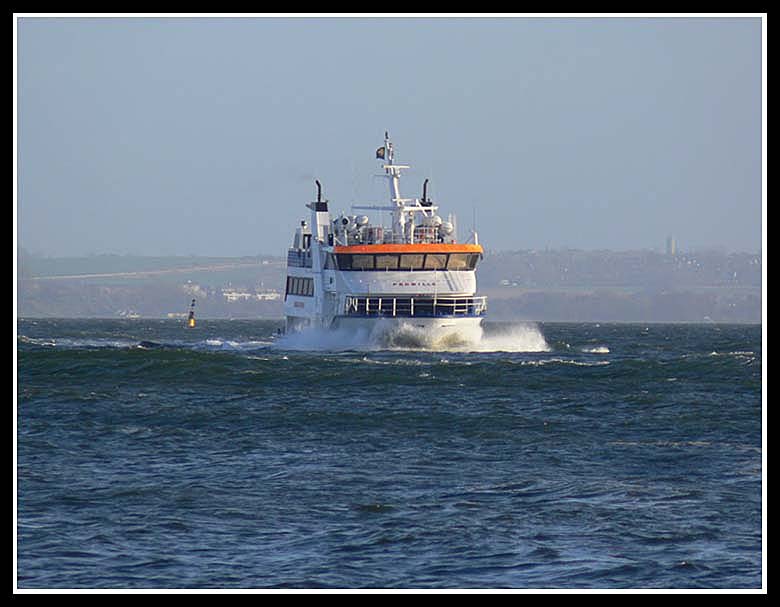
(406, 261)
(411, 262)
(435, 261)
(362, 262)
(387, 262)
(462, 261)
(300, 286)
(344, 261)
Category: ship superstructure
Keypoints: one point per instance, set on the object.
(344, 271)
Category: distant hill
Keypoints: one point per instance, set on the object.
(130, 265)
(551, 285)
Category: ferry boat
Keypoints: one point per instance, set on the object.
(344, 272)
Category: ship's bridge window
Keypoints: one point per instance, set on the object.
(407, 261)
(362, 262)
(435, 261)
(462, 261)
(387, 262)
(411, 262)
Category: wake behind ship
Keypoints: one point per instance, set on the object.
(411, 275)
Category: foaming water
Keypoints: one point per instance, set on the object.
(513, 337)
(510, 337)
(327, 340)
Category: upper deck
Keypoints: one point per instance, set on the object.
(416, 239)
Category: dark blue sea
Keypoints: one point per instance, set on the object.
(546, 456)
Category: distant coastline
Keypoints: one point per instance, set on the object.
(561, 285)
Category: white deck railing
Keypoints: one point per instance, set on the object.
(415, 306)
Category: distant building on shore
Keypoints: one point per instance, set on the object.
(233, 295)
(671, 245)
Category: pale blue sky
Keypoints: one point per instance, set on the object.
(204, 136)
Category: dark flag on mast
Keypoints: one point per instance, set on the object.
(380, 152)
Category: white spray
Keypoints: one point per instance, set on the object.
(510, 337)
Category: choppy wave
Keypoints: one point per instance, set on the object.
(213, 343)
(78, 343)
(532, 456)
(596, 350)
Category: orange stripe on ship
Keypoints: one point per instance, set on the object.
(409, 248)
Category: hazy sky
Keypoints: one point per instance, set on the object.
(177, 136)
